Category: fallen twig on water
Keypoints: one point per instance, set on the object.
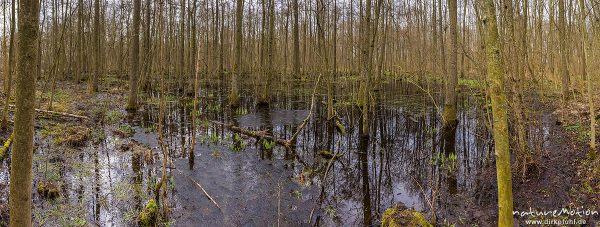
(203, 190)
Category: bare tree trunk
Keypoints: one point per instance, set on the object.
(495, 74)
(134, 56)
(80, 38)
(523, 156)
(11, 62)
(93, 78)
(563, 50)
(450, 119)
(234, 96)
(588, 78)
(181, 73)
(21, 162)
(296, 37)
(365, 67)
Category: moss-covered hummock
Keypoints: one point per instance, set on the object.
(6, 145)
(396, 217)
(148, 216)
(70, 135)
(47, 190)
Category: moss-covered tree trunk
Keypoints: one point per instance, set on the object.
(134, 57)
(20, 177)
(495, 71)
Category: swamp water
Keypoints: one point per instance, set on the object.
(329, 179)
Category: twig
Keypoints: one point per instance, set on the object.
(430, 203)
(203, 190)
(305, 121)
(438, 109)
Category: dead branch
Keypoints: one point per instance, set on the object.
(56, 114)
(305, 121)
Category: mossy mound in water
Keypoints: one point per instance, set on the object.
(399, 216)
(47, 190)
(149, 215)
(70, 135)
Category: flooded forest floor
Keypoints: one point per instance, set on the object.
(100, 167)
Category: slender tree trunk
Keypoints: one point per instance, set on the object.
(93, 80)
(234, 96)
(365, 67)
(181, 73)
(134, 56)
(588, 78)
(296, 37)
(523, 157)
(450, 119)
(8, 73)
(265, 96)
(495, 73)
(196, 91)
(79, 61)
(563, 50)
(21, 162)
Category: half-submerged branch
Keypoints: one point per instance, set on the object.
(289, 143)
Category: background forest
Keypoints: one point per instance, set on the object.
(298, 112)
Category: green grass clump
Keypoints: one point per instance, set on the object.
(113, 117)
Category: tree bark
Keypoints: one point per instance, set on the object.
(588, 78)
(11, 62)
(495, 74)
(134, 56)
(234, 96)
(296, 37)
(21, 162)
(450, 119)
(563, 50)
(93, 80)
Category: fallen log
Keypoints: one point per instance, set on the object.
(262, 135)
(55, 113)
(255, 134)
